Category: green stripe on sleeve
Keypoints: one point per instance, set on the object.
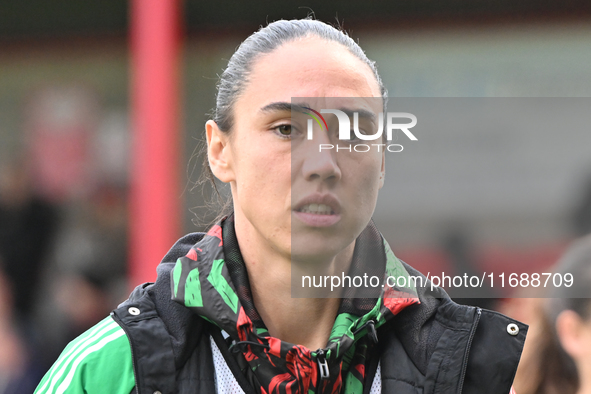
(98, 361)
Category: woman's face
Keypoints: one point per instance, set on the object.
(294, 199)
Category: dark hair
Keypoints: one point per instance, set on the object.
(235, 77)
(266, 40)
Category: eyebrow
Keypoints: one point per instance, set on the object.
(363, 113)
(282, 106)
(285, 106)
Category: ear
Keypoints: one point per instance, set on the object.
(571, 333)
(218, 152)
(383, 171)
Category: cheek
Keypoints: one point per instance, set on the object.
(263, 180)
(365, 182)
(367, 170)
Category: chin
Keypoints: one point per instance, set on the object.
(316, 248)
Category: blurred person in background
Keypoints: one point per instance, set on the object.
(19, 371)
(28, 223)
(557, 355)
(93, 239)
(84, 299)
(86, 277)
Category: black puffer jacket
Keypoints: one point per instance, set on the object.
(436, 346)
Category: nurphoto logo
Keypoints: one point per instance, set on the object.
(361, 133)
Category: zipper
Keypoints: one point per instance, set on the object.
(467, 352)
(133, 355)
(323, 369)
(322, 364)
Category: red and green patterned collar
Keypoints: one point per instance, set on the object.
(211, 280)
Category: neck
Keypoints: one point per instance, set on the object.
(302, 321)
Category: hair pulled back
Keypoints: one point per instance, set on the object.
(236, 75)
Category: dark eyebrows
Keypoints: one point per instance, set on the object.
(363, 113)
(282, 106)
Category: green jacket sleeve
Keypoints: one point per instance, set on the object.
(98, 361)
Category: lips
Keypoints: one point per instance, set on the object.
(319, 204)
(318, 210)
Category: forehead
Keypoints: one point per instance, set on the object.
(309, 67)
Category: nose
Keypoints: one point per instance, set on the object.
(320, 164)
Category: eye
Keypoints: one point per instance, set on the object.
(284, 130)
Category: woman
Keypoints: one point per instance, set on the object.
(560, 361)
(221, 318)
